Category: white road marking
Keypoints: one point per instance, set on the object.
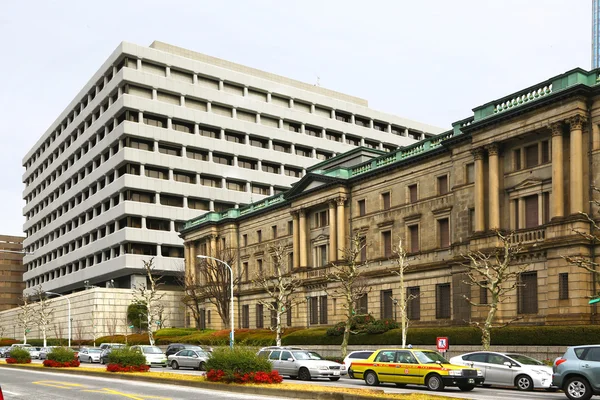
(11, 393)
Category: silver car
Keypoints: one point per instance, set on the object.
(45, 350)
(189, 359)
(303, 364)
(89, 355)
(154, 355)
(509, 369)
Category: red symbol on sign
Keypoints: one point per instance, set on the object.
(442, 343)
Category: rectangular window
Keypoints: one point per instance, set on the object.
(527, 293)
(414, 303)
(363, 249)
(483, 293)
(545, 151)
(313, 306)
(323, 310)
(321, 255)
(321, 219)
(412, 194)
(444, 232)
(274, 231)
(442, 301)
(245, 271)
(517, 159)
(272, 168)
(531, 211)
(259, 316)
(386, 242)
(169, 150)
(546, 207)
(172, 201)
(362, 305)
(386, 200)
(362, 207)
(563, 286)
(290, 227)
(471, 220)
(288, 315)
(245, 240)
(196, 154)
(259, 236)
(245, 316)
(413, 232)
(259, 267)
(387, 304)
(470, 173)
(442, 184)
(531, 156)
(248, 164)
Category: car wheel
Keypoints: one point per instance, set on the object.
(350, 374)
(90, 360)
(371, 379)
(578, 388)
(304, 374)
(401, 384)
(202, 366)
(175, 365)
(435, 383)
(334, 379)
(523, 382)
(466, 388)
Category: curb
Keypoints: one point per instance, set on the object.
(275, 392)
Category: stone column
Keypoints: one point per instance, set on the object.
(558, 189)
(341, 227)
(213, 245)
(479, 198)
(595, 136)
(302, 238)
(295, 239)
(193, 254)
(332, 232)
(493, 186)
(576, 161)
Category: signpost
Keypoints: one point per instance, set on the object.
(594, 301)
(442, 344)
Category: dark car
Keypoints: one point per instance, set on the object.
(176, 347)
(577, 372)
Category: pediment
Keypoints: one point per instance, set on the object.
(527, 183)
(314, 185)
(310, 182)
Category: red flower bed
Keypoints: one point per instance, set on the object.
(252, 377)
(58, 364)
(128, 368)
(11, 360)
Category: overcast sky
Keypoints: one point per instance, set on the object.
(428, 60)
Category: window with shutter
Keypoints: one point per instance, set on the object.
(414, 238)
(531, 156)
(259, 316)
(362, 207)
(442, 301)
(387, 304)
(386, 239)
(444, 232)
(362, 305)
(442, 183)
(323, 310)
(531, 211)
(563, 286)
(412, 190)
(527, 293)
(386, 201)
(414, 303)
(314, 310)
(363, 249)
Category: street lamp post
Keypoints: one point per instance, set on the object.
(231, 339)
(69, 316)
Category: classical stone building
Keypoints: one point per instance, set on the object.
(525, 162)
(11, 271)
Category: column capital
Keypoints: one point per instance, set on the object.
(577, 121)
(302, 212)
(332, 203)
(493, 149)
(478, 153)
(557, 128)
(294, 214)
(340, 201)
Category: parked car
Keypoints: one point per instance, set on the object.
(175, 347)
(508, 369)
(355, 355)
(154, 355)
(34, 352)
(189, 358)
(4, 351)
(298, 363)
(104, 346)
(45, 350)
(90, 355)
(12, 346)
(415, 366)
(577, 372)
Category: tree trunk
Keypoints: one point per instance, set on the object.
(150, 335)
(44, 335)
(486, 328)
(25, 338)
(278, 329)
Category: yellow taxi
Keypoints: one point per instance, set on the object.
(416, 367)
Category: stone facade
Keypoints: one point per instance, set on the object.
(11, 271)
(522, 163)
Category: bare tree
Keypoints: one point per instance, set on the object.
(44, 312)
(193, 296)
(213, 282)
(58, 332)
(280, 286)
(111, 325)
(79, 331)
(401, 266)
(148, 295)
(25, 317)
(494, 273)
(125, 324)
(351, 285)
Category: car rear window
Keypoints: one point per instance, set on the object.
(363, 355)
(580, 352)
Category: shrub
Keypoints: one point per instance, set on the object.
(19, 355)
(236, 362)
(128, 368)
(61, 364)
(126, 357)
(175, 332)
(133, 339)
(7, 341)
(251, 377)
(61, 354)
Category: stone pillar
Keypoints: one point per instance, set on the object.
(302, 238)
(332, 232)
(213, 245)
(595, 136)
(295, 239)
(576, 162)
(193, 260)
(493, 185)
(479, 198)
(558, 188)
(341, 227)
(521, 206)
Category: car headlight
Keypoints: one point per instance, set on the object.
(479, 373)
(455, 372)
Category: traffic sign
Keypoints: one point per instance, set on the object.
(442, 344)
(594, 301)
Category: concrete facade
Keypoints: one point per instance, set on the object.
(11, 271)
(160, 135)
(522, 163)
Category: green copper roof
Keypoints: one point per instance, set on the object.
(529, 95)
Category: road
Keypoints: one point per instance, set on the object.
(476, 394)
(18, 384)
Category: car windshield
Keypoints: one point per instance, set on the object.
(429, 357)
(152, 350)
(202, 354)
(306, 355)
(94, 351)
(524, 359)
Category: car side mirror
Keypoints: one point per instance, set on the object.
(290, 359)
(508, 364)
(195, 356)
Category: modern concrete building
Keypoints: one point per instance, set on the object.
(11, 271)
(524, 163)
(160, 135)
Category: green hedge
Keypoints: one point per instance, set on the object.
(61, 354)
(174, 332)
(21, 355)
(126, 356)
(237, 361)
